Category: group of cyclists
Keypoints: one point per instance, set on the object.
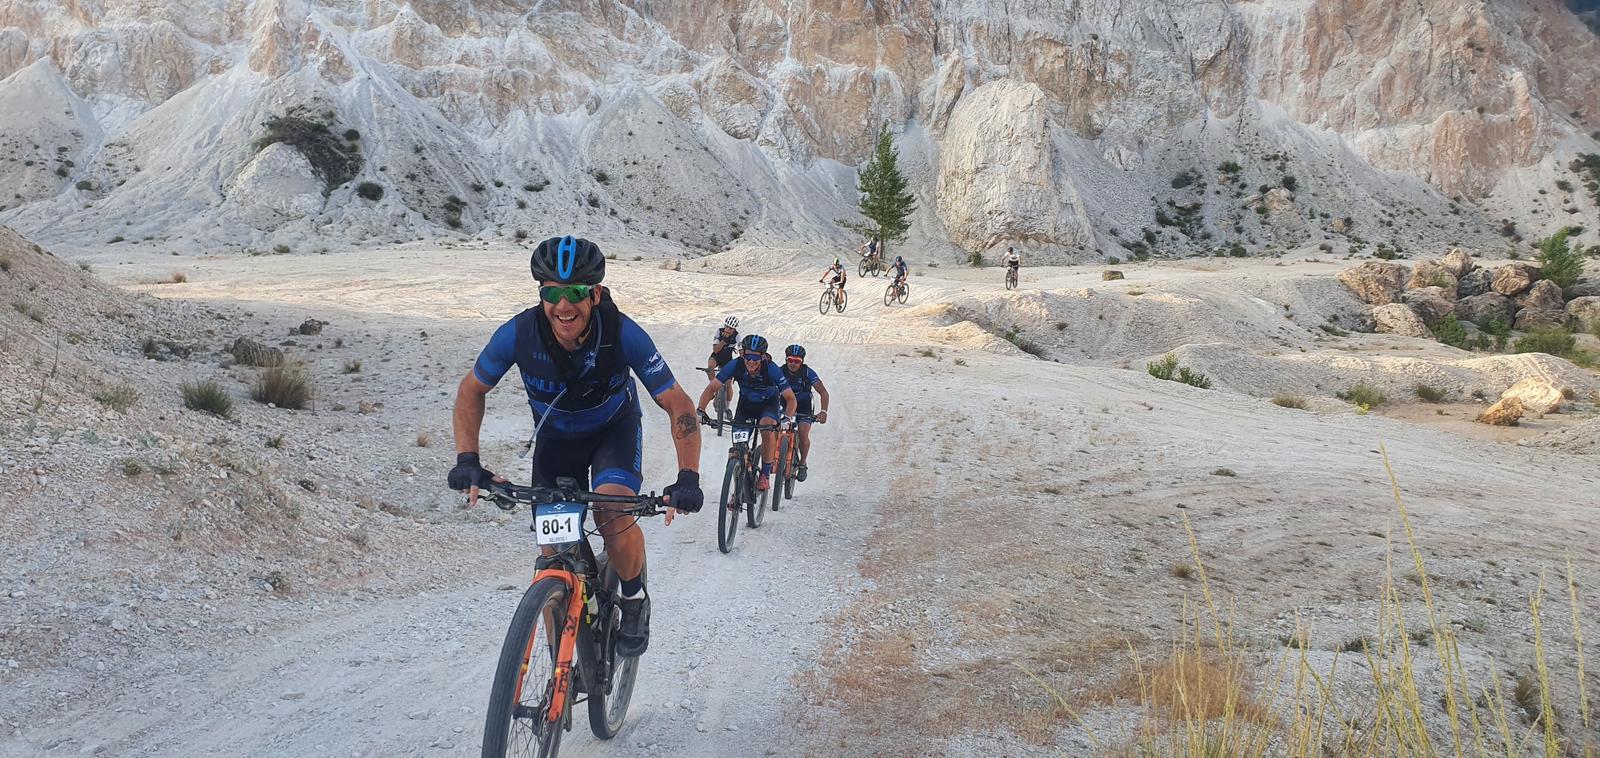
(578, 357)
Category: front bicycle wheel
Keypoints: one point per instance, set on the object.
(888, 295)
(518, 723)
(728, 506)
(1011, 280)
(861, 267)
(905, 292)
(722, 409)
(839, 302)
(756, 512)
(609, 706)
(782, 473)
(824, 302)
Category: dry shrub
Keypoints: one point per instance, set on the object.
(1290, 401)
(283, 386)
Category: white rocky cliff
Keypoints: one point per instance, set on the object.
(1076, 128)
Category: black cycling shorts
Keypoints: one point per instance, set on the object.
(614, 454)
(749, 412)
(802, 406)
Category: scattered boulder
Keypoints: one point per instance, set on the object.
(1506, 412)
(311, 326)
(1457, 262)
(1541, 306)
(1537, 395)
(1585, 288)
(1514, 279)
(1397, 318)
(1431, 274)
(1431, 303)
(1110, 275)
(1584, 312)
(1475, 282)
(1484, 308)
(1375, 282)
(252, 353)
(1279, 199)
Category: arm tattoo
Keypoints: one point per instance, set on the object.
(685, 426)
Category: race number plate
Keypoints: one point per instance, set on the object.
(558, 523)
(741, 435)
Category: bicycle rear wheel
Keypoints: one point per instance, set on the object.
(905, 292)
(722, 409)
(519, 700)
(608, 702)
(1011, 280)
(728, 506)
(839, 302)
(823, 303)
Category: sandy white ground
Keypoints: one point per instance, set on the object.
(971, 506)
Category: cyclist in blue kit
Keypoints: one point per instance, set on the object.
(578, 356)
(763, 395)
(803, 380)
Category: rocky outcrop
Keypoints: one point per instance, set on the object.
(1487, 307)
(252, 353)
(1375, 282)
(1431, 303)
(1505, 412)
(1475, 282)
(1456, 263)
(1432, 274)
(1399, 319)
(1537, 396)
(1514, 279)
(1541, 306)
(1584, 313)
(1110, 275)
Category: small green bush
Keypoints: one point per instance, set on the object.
(1363, 395)
(1450, 331)
(1558, 342)
(1230, 168)
(352, 367)
(207, 396)
(1193, 378)
(370, 191)
(975, 259)
(283, 386)
(1238, 251)
(1429, 393)
(1164, 368)
(119, 398)
(1290, 183)
(1558, 261)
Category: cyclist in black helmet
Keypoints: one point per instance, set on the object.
(803, 380)
(763, 395)
(578, 356)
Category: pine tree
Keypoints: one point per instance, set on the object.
(885, 201)
(1558, 262)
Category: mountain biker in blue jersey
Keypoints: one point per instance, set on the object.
(578, 355)
(763, 394)
(803, 380)
(898, 269)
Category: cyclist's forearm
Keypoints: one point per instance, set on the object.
(685, 427)
(710, 391)
(789, 403)
(467, 418)
(822, 395)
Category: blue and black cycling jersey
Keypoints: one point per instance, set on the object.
(766, 384)
(801, 383)
(899, 269)
(599, 388)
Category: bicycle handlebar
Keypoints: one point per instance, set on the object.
(507, 496)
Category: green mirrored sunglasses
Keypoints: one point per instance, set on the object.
(572, 293)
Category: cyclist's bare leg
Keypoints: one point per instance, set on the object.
(769, 449)
(805, 442)
(624, 540)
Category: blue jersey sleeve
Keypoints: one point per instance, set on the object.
(645, 360)
(811, 376)
(725, 374)
(497, 356)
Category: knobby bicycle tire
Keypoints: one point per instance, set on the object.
(780, 475)
(757, 510)
(728, 519)
(519, 647)
(905, 292)
(825, 302)
(608, 707)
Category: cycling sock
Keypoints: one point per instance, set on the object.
(766, 468)
(633, 589)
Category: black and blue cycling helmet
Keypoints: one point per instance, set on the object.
(795, 351)
(754, 343)
(568, 260)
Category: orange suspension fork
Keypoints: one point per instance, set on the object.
(567, 648)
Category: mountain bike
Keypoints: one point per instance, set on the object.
(1011, 277)
(720, 402)
(897, 293)
(871, 264)
(832, 297)
(739, 491)
(787, 471)
(561, 648)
